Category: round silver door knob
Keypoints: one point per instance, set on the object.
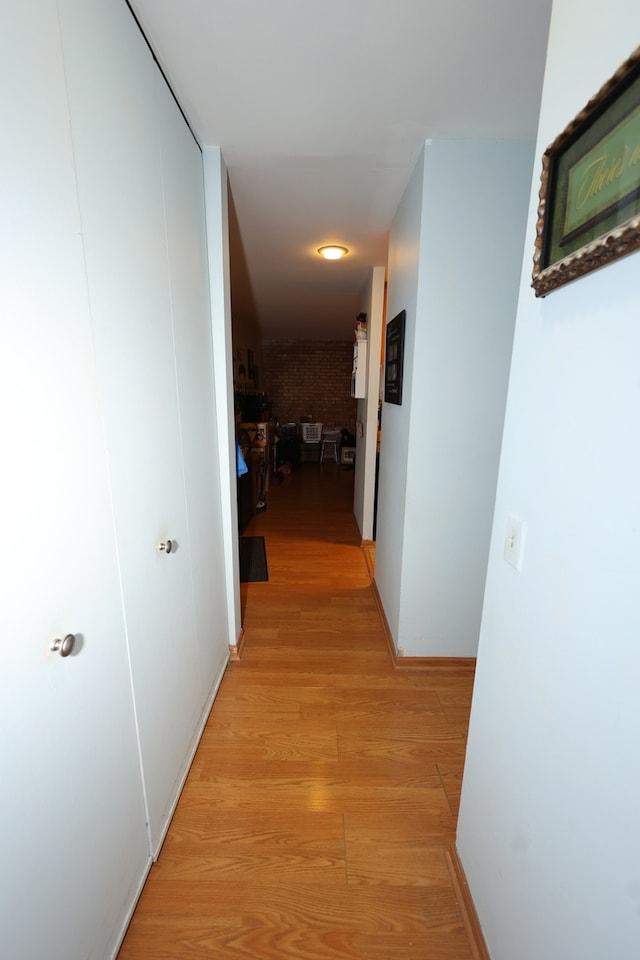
(64, 647)
(166, 546)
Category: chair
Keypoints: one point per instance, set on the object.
(330, 439)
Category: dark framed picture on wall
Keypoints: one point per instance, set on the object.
(589, 210)
(394, 359)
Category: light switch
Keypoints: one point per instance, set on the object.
(514, 542)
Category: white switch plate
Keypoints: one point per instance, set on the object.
(514, 542)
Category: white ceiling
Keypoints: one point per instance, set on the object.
(321, 109)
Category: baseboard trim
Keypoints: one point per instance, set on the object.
(465, 903)
(450, 666)
(236, 649)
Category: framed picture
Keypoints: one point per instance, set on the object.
(239, 370)
(394, 359)
(589, 209)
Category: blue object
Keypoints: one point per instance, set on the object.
(241, 466)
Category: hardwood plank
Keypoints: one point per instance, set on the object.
(212, 903)
(393, 910)
(255, 832)
(415, 829)
(277, 943)
(407, 749)
(206, 862)
(269, 739)
(316, 790)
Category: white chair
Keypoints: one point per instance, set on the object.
(330, 439)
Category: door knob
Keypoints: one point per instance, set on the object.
(166, 546)
(64, 647)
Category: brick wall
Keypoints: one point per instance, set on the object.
(310, 378)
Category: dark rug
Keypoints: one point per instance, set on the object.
(253, 560)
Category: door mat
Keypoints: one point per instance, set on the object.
(253, 560)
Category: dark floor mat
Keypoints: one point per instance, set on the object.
(253, 560)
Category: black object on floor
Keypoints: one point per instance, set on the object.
(253, 560)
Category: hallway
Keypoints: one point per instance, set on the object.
(320, 809)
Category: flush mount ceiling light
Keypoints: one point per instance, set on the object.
(332, 252)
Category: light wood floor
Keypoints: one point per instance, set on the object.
(322, 801)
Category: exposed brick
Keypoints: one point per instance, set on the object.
(305, 378)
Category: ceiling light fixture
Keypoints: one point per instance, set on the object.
(332, 252)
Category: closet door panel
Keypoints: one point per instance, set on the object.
(73, 844)
(118, 159)
(184, 209)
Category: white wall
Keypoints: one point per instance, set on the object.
(456, 247)
(367, 410)
(402, 271)
(549, 831)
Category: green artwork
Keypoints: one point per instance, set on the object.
(596, 178)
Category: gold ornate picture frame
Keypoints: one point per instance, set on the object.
(589, 208)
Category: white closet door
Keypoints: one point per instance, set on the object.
(117, 148)
(184, 207)
(73, 845)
